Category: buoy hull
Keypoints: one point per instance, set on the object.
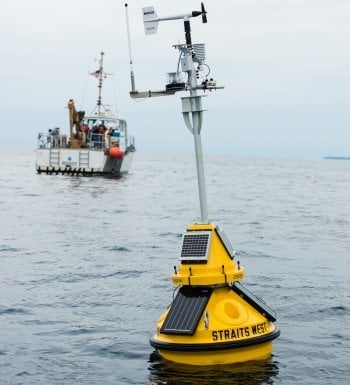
(213, 318)
(227, 330)
(218, 357)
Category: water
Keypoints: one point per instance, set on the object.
(86, 265)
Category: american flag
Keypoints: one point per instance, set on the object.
(96, 73)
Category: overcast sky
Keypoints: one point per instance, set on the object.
(285, 66)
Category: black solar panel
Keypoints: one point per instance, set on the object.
(226, 242)
(195, 245)
(255, 301)
(186, 311)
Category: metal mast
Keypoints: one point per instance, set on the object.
(100, 81)
(193, 105)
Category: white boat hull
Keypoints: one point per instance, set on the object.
(81, 161)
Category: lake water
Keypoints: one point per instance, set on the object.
(86, 266)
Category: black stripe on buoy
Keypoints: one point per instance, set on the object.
(215, 346)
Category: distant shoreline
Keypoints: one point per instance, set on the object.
(337, 157)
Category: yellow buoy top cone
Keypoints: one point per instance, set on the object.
(213, 318)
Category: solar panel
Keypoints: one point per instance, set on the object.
(255, 301)
(226, 242)
(186, 311)
(195, 246)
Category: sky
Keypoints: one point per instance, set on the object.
(285, 66)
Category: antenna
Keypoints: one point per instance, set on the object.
(132, 77)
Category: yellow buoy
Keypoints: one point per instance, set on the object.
(213, 318)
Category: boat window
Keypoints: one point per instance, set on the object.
(91, 122)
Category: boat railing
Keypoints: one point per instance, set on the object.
(131, 142)
(91, 140)
(52, 140)
(95, 141)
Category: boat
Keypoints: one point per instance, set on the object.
(97, 144)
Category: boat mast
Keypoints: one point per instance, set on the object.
(100, 81)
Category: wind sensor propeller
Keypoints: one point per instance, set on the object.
(204, 14)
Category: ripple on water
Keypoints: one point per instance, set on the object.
(14, 311)
(252, 373)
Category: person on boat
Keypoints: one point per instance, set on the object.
(94, 136)
(85, 129)
(108, 136)
(101, 130)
